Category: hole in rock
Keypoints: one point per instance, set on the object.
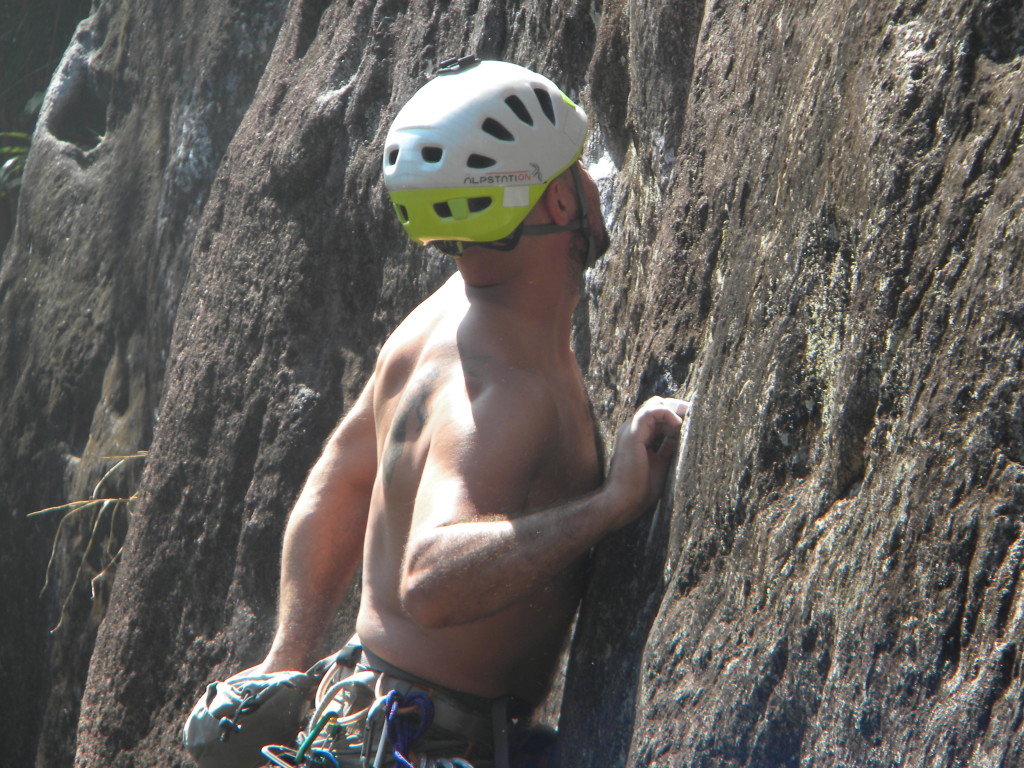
(80, 117)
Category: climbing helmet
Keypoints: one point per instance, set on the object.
(473, 150)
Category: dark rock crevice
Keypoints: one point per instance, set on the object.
(79, 97)
(309, 16)
(999, 29)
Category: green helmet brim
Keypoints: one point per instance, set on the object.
(474, 214)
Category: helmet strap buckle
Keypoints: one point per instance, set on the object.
(456, 64)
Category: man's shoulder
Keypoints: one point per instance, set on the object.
(404, 346)
(521, 391)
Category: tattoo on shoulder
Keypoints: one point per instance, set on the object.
(409, 422)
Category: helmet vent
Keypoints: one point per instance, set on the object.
(443, 210)
(477, 204)
(517, 106)
(544, 99)
(392, 157)
(480, 161)
(432, 154)
(403, 214)
(497, 130)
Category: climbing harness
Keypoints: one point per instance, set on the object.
(366, 713)
(361, 720)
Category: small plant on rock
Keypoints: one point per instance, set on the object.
(13, 151)
(101, 517)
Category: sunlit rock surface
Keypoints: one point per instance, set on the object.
(816, 220)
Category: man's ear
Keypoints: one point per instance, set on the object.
(559, 200)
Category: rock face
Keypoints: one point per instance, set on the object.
(831, 267)
(133, 128)
(816, 219)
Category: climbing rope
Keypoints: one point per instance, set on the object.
(327, 722)
(405, 719)
(402, 732)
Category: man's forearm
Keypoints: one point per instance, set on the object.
(470, 570)
(314, 581)
(323, 541)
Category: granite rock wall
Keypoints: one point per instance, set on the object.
(816, 222)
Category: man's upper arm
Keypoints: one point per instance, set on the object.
(324, 537)
(349, 460)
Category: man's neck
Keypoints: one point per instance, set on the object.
(530, 310)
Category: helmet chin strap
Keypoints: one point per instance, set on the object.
(581, 222)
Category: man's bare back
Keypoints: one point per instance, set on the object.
(470, 430)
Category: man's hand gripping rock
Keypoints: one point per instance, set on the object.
(644, 450)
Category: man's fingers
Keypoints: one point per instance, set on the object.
(666, 404)
(662, 415)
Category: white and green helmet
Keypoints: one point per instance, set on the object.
(474, 149)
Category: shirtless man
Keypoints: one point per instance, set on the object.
(467, 477)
